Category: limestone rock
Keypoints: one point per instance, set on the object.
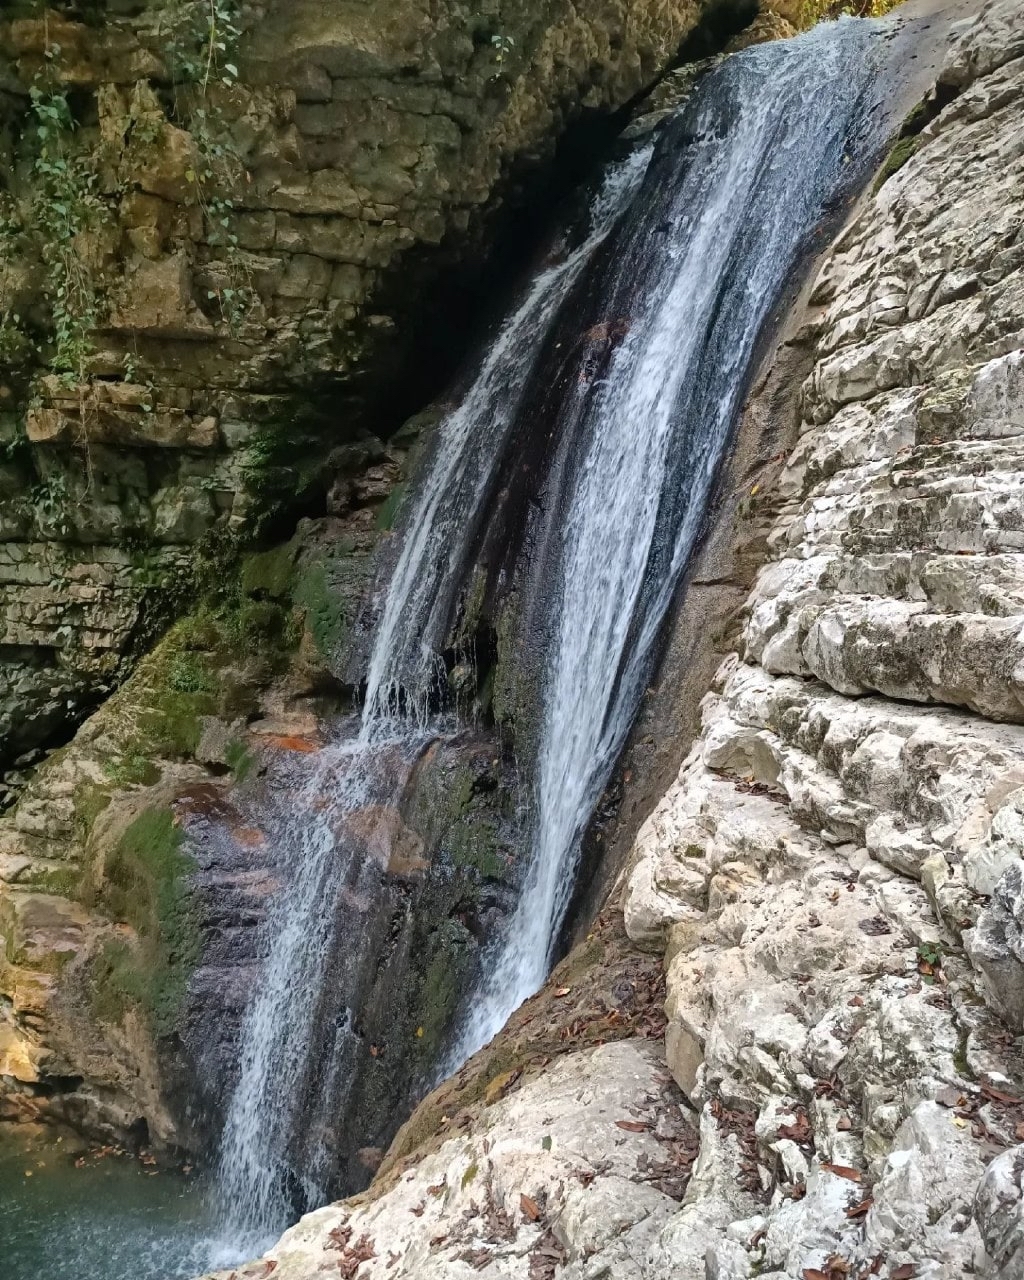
(999, 1212)
(996, 945)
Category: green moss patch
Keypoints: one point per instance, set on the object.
(240, 759)
(388, 512)
(146, 886)
(269, 573)
(896, 159)
(325, 614)
(132, 768)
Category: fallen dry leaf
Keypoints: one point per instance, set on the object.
(633, 1126)
(530, 1207)
(998, 1095)
(843, 1171)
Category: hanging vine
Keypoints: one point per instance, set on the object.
(200, 41)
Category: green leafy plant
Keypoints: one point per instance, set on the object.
(50, 502)
(66, 208)
(503, 46)
(201, 42)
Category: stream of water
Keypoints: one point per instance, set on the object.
(742, 176)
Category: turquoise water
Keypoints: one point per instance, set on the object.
(109, 1219)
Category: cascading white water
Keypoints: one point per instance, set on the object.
(715, 224)
(705, 263)
(254, 1174)
(446, 510)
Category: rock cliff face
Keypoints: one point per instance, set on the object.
(202, 217)
(836, 877)
(208, 263)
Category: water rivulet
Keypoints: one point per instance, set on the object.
(549, 529)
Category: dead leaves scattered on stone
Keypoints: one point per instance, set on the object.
(352, 1255)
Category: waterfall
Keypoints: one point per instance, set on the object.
(688, 250)
(449, 505)
(742, 176)
(255, 1179)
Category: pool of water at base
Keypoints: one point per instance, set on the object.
(68, 1214)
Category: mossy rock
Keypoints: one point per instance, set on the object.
(269, 573)
(896, 159)
(324, 609)
(146, 886)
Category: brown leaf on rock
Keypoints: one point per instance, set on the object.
(998, 1095)
(632, 1126)
(546, 1257)
(860, 1209)
(530, 1208)
(353, 1257)
(814, 1273)
(843, 1171)
(340, 1237)
(799, 1131)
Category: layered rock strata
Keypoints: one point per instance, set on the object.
(835, 874)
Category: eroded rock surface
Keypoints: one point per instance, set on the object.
(836, 875)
